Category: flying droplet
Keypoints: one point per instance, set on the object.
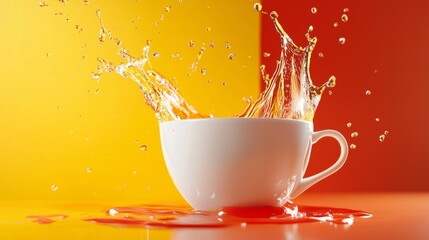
(332, 81)
(257, 7)
(228, 45)
(212, 45)
(155, 55)
(97, 91)
(382, 137)
(349, 124)
(266, 54)
(134, 172)
(168, 8)
(175, 55)
(224, 83)
(63, 1)
(243, 225)
(310, 29)
(95, 76)
(342, 40)
(113, 212)
(54, 188)
(191, 43)
(231, 56)
(321, 55)
(335, 24)
(330, 92)
(345, 18)
(377, 119)
(353, 146)
(89, 170)
(368, 92)
(143, 148)
(43, 4)
(208, 29)
(48, 54)
(203, 71)
(86, 2)
(274, 15)
(313, 10)
(386, 132)
(67, 20)
(345, 10)
(355, 134)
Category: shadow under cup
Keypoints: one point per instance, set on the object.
(242, 161)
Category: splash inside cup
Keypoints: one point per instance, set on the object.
(222, 162)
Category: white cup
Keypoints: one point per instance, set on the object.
(222, 162)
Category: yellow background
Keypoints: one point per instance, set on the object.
(55, 124)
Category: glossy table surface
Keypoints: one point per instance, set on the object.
(395, 216)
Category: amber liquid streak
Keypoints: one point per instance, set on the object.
(159, 216)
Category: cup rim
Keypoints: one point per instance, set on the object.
(236, 119)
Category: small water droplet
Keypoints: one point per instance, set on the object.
(134, 172)
(345, 10)
(224, 83)
(332, 81)
(345, 18)
(342, 40)
(43, 4)
(243, 225)
(147, 186)
(191, 43)
(231, 56)
(203, 71)
(349, 124)
(377, 119)
(274, 15)
(368, 92)
(48, 54)
(228, 45)
(212, 45)
(155, 55)
(89, 170)
(83, 58)
(86, 2)
(386, 132)
(330, 92)
(310, 29)
(355, 134)
(382, 137)
(313, 10)
(353, 146)
(95, 76)
(97, 91)
(266, 54)
(54, 188)
(335, 24)
(143, 148)
(321, 55)
(63, 1)
(67, 20)
(257, 7)
(167, 8)
(208, 29)
(113, 212)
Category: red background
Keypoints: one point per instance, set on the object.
(385, 52)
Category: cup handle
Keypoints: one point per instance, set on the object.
(305, 183)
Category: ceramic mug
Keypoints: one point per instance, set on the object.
(219, 162)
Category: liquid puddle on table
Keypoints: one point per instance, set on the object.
(184, 217)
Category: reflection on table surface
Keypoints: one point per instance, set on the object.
(396, 216)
